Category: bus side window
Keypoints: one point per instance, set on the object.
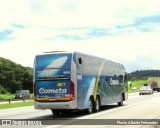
(80, 60)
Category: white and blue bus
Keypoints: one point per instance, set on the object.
(66, 81)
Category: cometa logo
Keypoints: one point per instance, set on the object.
(114, 82)
(52, 91)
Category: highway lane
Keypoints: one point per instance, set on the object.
(30, 112)
(137, 107)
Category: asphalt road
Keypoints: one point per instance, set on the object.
(137, 107)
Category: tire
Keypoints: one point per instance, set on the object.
(56, 112)
(66, 112)
(97, 105)
(90, 106)
(121, 102)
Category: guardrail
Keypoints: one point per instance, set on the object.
(13, 100)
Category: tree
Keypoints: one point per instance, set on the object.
(14, 76)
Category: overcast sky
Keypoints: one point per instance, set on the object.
(125, 31)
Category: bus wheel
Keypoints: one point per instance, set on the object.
(55, 112)
(90, 106)
(97, 105)
(121, 102)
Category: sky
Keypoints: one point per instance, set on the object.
(124, 31)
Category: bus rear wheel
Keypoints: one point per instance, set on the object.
(121, 102)
(90, 106)
(56, 112)
(97, 105)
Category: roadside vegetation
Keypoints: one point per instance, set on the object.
(6, 96)
(15, 105)
(135, 85)
(14, 77)
(10, 101)
(9, 96)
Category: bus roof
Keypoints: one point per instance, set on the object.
(85, 54)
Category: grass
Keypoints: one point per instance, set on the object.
(137, 84)
(15, 105)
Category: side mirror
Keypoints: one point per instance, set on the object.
(127, 76)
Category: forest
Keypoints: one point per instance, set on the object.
(144, 74)
(14, 77)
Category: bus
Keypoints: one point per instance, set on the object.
(66, 81)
